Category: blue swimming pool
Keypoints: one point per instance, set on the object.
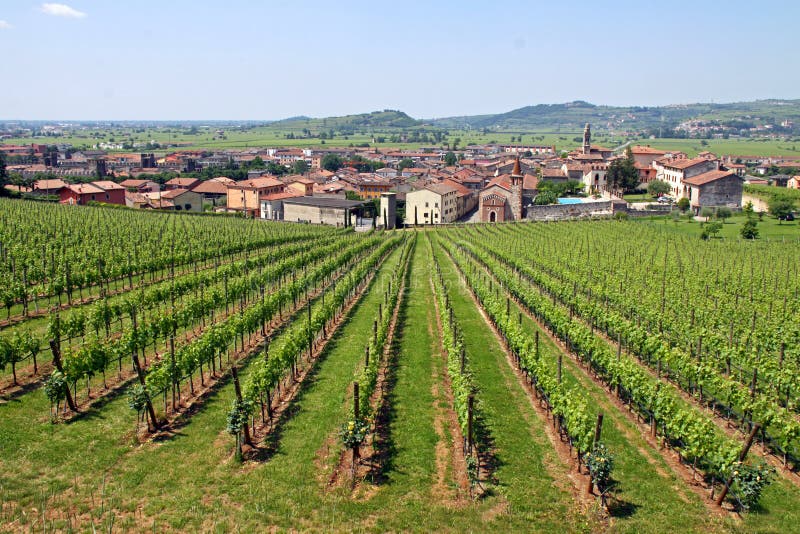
(569, 201)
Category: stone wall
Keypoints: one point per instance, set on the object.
(722, 192)
(313, 214)
(759, 204)
(556, 212)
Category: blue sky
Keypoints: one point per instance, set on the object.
(184, 59)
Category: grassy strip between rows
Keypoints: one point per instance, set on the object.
(66, 460)
(648, 493)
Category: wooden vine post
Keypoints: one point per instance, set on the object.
(238, 389)
(57, 362)
(356, 417)
(135, 357)
(470, 422)
(150, 411)
(597, 429)
(742, 455)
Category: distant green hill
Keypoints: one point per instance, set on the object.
(574, 115)
(387, 118)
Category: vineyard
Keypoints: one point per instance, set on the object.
(182, 372)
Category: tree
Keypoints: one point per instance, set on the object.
(656, 188)
(331, 162)
(545, 197)
(749, 229)
(300, 166)
(450, 159)
(257, 163)
(3, 176)
(622, 173)
(683, 204)
(276, 168)
(405, 163)
(780, 207)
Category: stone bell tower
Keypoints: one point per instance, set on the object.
(516, 192)
(587, 139)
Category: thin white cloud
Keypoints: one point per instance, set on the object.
(5, 25)
(62, 10)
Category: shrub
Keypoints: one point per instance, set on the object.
(724, 213)
(710, 229)
(600, 463)
(749, 229)
(749, 482)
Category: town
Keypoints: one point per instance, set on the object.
(373, 187)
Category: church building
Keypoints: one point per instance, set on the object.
(501, 200)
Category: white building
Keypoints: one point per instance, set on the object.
(434, 204)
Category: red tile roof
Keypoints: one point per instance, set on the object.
(85, 189)
(257, 183)
(212, 187)
(173, 193)
(107, 185)
(640, 149)
(707, 177)
(682, 164)
(49, 184)
(442, 189)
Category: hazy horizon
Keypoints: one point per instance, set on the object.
(183, 60)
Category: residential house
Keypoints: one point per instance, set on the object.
(675, 171)
(713, 188)
(644, 156)
(214, 189)
(80, 194)
(246, 195)
(49, 187)
(140, 186)
(368, 185)
(183, 199)
(300, 185)
(466, 199)
(433, 204)
(181, 183)
(114, 193)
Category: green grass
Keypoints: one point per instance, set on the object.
(769, 228)
(640, 197)
(73, 457)
(528, 464)
(649, 492)
(740, 147)
(778, 509)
